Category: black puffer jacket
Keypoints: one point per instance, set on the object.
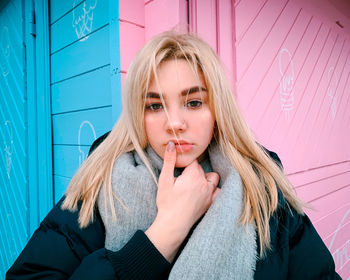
(59, 249)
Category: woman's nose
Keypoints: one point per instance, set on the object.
(175, 121)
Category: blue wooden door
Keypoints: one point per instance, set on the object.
(69, 85)
(13, 126)
(84, 44)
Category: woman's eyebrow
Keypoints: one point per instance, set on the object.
(192, 90)
(185, 92)
(152, 95)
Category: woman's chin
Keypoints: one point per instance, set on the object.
(183, 161)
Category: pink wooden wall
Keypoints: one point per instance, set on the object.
(293, 85)
(291, 62)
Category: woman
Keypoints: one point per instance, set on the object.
(179, 189)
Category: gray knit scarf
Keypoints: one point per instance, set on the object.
(219, 247)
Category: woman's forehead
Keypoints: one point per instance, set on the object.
(177, 72)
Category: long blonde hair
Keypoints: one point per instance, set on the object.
(260, 175)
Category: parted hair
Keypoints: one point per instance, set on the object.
(261, 176)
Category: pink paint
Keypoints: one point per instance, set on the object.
(291, 62)
(132, 11)
(162, 15)
(131, 41)
(293, 81)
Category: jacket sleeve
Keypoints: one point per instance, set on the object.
(59, 249)
(309, 258)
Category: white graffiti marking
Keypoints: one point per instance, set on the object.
(8, 146)
(333, 81)
(82, 155)
(83, 17)
(286, 68)
(5, 50)
(340, 256)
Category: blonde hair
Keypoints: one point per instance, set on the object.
(261, 176)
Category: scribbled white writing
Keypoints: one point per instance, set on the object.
(82, 155)
(5, 50)
(83, 17)
(286, 68)
(8, 146)
(333, 81)
(340, 256)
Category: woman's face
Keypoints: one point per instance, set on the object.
(186, 119)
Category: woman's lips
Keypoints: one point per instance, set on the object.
(183, 147)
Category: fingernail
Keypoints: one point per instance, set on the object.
(170, 147)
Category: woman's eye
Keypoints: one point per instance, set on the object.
(194, 104)
(154, 106)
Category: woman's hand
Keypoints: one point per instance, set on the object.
(181, 202)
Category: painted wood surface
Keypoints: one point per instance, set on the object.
(81, 57)
(79, 23)
(68, 94)
(59, 8)
(13, 127)
(291, 66)
(82, 82)
(293, 85)
(140, 20)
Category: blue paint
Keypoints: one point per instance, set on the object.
(84, 84)
(43, 113)
(67, 127)
(59, 8)
(115, 60)
(80, 93)
(61, 184)
(77, 82)
(79, 23)
(77, 154)
(81, 57)
(13, 126)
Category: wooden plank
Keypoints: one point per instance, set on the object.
(132, 39)
(262, 77)
(67, 159)
(81, 57)
(309, 176)
(257, 34)
(79, 23)
(328, 224)
(58, 8)
(82, 127)
(132, 11)
(86, 91)
(305, 92)
(246, 12)
(345, 271)
(226, 45)
(203, 20)
(328, 109)
(60, 186)
(162, 15)
(324, 187)
(310, 112)
(328, 204)
(339, 243)
(272, 123)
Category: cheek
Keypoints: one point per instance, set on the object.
(206, 121)
(152, 127)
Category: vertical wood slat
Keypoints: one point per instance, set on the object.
(13, 127)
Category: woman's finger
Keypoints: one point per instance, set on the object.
(166, 176)
(213, 178)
